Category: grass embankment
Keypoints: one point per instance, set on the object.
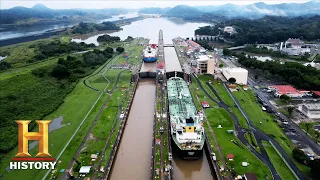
(218, 86)
(252, 141)
(108, 118)
(267, 125)
(74, 108)
(196, 90)
(241, 154)
(277, 162)
(308, 127)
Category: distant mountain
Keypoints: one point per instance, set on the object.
(183, 11)
(40, 13)
(41, 7)
(256, 10)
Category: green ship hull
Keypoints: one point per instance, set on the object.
(186, 124)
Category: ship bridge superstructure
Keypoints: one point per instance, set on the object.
(186, 125)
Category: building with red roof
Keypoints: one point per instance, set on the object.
(287, 90)
(205, 104)
(193, 44)
(230, 157)
(317, 93)
(160, 65)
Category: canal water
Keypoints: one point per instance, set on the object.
(38, 29)
(191, 169)
(149, 28)
(133, 158)
(171, 60)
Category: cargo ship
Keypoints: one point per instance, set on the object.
(187, 130)
(150, 53)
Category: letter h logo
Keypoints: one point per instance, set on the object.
(24, 136)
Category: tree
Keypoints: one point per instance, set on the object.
(40, 72)
(315, 166)
(308, 126)
(226, 52)
(285, 98)
(300, 156)
(129, 38)
(290, 110)
(221, 65)
(317, 135)
(120, 49)
(232, 80)
(108, 50)
(5, 65)
(60, 71)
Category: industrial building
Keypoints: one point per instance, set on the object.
(312, 111)
(205, 64)
(294, 47)
(240, 74)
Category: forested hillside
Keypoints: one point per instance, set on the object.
(269, 29)
(84, 28)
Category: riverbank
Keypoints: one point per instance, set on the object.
(51, 33)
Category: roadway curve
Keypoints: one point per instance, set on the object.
(240, 131)
(262, 136)
(303, 137)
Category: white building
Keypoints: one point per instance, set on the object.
(205, 64)
(240, 74)
(229, 29)
(312, 111)
(295, 47)
(295, 43)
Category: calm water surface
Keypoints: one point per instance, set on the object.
(39, 29)
(149, 28)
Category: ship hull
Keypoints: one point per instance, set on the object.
(186, 154)
(151, 59)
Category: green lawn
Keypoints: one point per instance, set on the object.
(252, 141)
(221, 117)
(218, 86)
(257, 115)
(277, 162)
(242, 120)
(196, 91)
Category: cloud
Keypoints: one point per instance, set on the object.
(276, 12)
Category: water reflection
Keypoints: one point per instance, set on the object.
(149, 28)
(54, 125)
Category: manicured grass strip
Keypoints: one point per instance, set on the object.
(265, 123)
(241, 154)
(252, 141)
(277, 162)
(218, 86)
(242, 120)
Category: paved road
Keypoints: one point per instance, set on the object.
(240, 132)
(301, 135)
(262, 136)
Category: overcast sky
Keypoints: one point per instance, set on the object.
(99, 4)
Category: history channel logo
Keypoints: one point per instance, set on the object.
(23, 159)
